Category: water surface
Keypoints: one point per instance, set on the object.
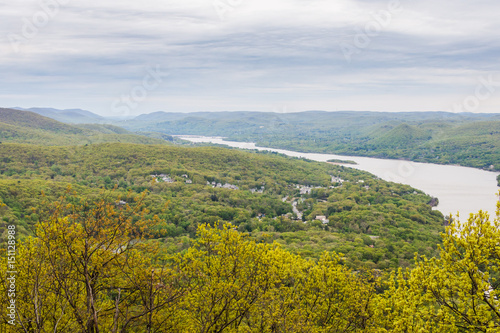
(459, 189)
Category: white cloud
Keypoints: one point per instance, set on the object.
(261, 54)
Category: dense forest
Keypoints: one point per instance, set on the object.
(91, 268)
(376, 223)
(135, 236)
(28, 127)
(437, 137)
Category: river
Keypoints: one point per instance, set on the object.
(459, 189)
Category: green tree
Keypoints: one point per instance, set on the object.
(87, 271)
(455, 292)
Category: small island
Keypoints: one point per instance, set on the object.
(337, 161)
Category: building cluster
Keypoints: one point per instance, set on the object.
(226, 185)
(322, 218)
(258, 190)
(167, 179)
(337, 180)
(162, 177)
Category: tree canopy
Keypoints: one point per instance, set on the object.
(90, 269)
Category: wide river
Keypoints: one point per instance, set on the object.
(459, 189)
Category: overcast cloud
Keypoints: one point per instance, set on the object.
(274, 55)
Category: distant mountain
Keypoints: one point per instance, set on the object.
(71, 116)
(28, 127)
(31, 120)
(255, 125)
(469, 139)
(173, 116)
(154, 116)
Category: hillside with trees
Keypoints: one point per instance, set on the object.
(71, 116)
(306, 206)
(28, 127)
(91, 269)
(437, 137)
(126, 237)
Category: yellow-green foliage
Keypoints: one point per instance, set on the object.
(89, 269)
(29, 127)
(457, 292)
(377, 224)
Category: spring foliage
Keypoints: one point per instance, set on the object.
(377, 224)
(90, 269)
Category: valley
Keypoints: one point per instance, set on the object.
(367, 216)
(459, 189)
(234, 166)
(467, 139)
(206, 219)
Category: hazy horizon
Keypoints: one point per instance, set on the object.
(229, 111)
(129, 58)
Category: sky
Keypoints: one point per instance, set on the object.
(124, 58)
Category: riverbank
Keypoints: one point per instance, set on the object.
(462, 190)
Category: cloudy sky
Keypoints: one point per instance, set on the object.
(131, 57)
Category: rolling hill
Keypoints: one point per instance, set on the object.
(254, 191)
(29, 127)
(71, 116)
(466, 139)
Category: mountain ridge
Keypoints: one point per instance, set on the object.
(18, 126)
(73, 116)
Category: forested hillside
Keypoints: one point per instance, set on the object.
(28, 127)
(437, 137)
(71, 116)
(375, 223)
(123, 237)
(91, 269)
